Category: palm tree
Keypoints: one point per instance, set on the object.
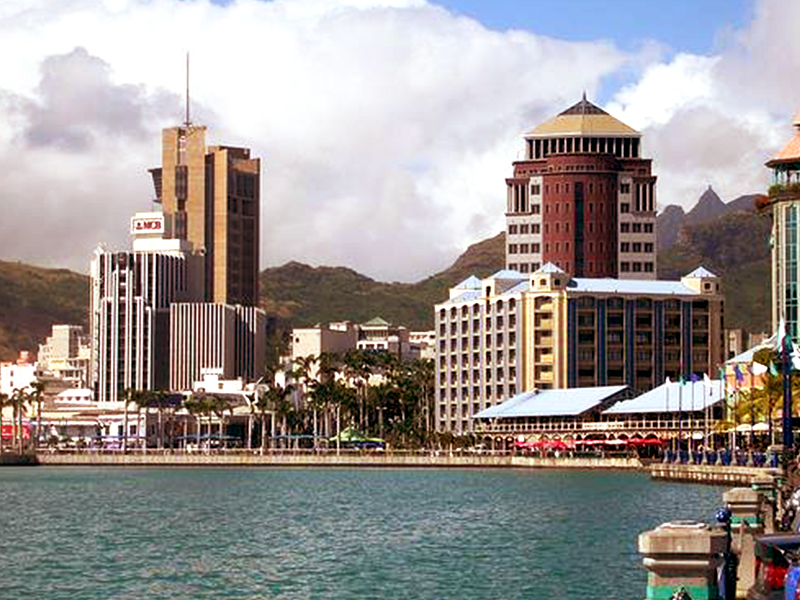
(36, 396)
(19, 398)
(274, 401)
(197, 404)
(4, 401)
(219, 405)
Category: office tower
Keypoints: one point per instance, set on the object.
(130, 299)
(512, 333)
(228, 340)
(783, 203)
(582, 198)
(211, 196)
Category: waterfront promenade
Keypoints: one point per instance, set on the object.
(713, 474)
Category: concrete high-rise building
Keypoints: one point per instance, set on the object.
(130, 299)
(783, 203)
(210, 195)
(582, 198)
(513, 333)
(228, 340)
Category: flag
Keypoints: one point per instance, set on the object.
(682, 380)
(773, 370)
(758, 369)
(668, 382)
(738, 373)
(707, 381)
(694, 378)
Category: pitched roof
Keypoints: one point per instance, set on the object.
(550, 403)
(671, 398)
(583, 118)
(791, 151)
(700, 273)
(376, 322)
(470, 283)
(550, 268)
(506, 274)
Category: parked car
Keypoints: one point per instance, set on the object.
(775, 554)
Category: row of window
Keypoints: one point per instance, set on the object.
(499, 323)
(636, 228)
(636, 267)
(635, 247)
(476, 309)
(524, 228)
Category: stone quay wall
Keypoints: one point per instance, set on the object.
(366, 459)
(713, 474)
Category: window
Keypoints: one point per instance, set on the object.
(536, 189)
(637, 267)
(625, 267)
(535, 228)
(648, 247)
(512, 248)
(648, 228)
(648, 267)
(523, 229)
(523, 268)
(535, 248)
(625, 247)
(535, 209)
(625, 188)
(624, 227)
(624, 207)
(524, 248)
(512, 229)
(513, 266)
(637, 228)
(637, 246)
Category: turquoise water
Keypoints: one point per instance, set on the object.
(331, 533)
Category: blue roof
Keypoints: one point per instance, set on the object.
(507, 274)
(551, 403)
(470, 283)
(672, 397)
(630, 286)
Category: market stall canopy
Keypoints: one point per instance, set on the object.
(672, 397)
(554, 403)
(351, 434)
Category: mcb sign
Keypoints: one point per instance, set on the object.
(147, 225)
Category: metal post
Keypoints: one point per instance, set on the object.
(788, 438)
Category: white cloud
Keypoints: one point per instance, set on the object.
(386, 128)
(716, 120)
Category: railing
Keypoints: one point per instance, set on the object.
(665, 426)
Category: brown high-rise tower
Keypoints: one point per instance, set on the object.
(583, 198)
(210, 197)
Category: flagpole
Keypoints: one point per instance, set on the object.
(680, 419)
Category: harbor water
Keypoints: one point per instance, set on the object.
(332, 533)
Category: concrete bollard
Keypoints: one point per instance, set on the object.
(682, 555)
(746, 523)
(766, 486)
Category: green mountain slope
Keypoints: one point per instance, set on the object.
(736, 247)
(304, 295)
(32, 299)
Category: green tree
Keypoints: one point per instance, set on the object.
(5, 400)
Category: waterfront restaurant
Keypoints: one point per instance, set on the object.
(609, 413)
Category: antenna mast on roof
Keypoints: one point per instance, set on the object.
(188, 120)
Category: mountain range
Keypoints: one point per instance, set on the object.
(730, 239)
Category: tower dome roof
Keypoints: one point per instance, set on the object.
(791, 151)
(583, 118)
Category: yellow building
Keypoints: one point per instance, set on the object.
(511, 333)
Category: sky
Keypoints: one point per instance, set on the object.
(386, 128)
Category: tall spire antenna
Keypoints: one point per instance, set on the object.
(188, 120)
